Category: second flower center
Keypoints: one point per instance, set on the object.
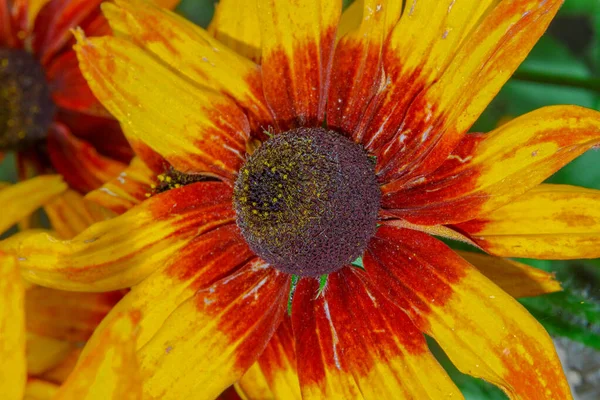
(307, 201)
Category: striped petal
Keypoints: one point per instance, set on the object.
(64, 315)
(497, 167)
(274, 375)
(446, 62)
(357, 74)
(235, 24)
(130, 188)
(13, 371)
(192, 51)
(197, 130)
(110, 370)
(78, 162)
(19, 200)
(297, 48)
(484, 331)
(120, 252)
(351, 342)
(548, 222)
(515, 278)
(70, 214)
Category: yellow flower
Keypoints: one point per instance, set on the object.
(350, 147)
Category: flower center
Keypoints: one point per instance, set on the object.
(307, 201)
(26, 106)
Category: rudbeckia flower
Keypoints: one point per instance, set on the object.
(48, 114)
(300, 173)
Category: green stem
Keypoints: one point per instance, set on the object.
(559, 80)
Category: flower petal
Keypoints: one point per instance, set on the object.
(78, 162)
(498, 168)
(297, 48)
(351, 342)
(64, 315)
(473, 49)
(70, 214)
(484, 331)
(192, 51)
(45, 353)
(235, 23)
(548, 222)
(357, 74)
(110, 370)
(128, 189)
(13, 370)
(274, 375)
(19, 200)
(38, 389)
(120, 252)
(197, 130)
(515, 278)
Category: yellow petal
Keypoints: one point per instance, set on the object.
(499, 167)
(515, 278)
(351, 18)
(253, 385)
(61, 372)
(110, 370)
(12, 330)
(19, 200)
(70, 214)
(485, 332)
(297, 48)
(169, 4)
(235, 24)
(351, 342)
(127, 190)
(197, 130)
(38, 389)
(45, 353)
(120, 252)
(192, 51)
(549, 222)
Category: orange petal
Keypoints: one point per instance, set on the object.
(38, 389)
(19, 200)
(235, 23)
(470, 52)
(297, 47)
(169, 4)
(484, 331)
(120, 252)
(357, 74)
(515, 278)
(198, 130)
(493, 169)
(274, 375)
(70, 214)
(110, 370)
(192, 51)
(64, 315)
(45, 353)
(12, 330)
(126, 190)
(351, 342)
(548, 222)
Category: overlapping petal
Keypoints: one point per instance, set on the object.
(445, 63)
(235, 24)
(484, 331)
(498, 167)
(297, 48)
(351, 342)
(196, 130)
(515, 278)
(110, 371)
(120, 252)
(13, 370)
(193, 52)
(38, 389)
(19, 200)
(45, 353)
(548, 222)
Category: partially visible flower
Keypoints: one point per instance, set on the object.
(279, 175)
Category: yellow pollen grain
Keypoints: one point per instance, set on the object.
(161, 177)
(254, 211)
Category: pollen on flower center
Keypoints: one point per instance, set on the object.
(26, 106)
(307, 201)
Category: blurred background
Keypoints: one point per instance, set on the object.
(563, 68)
